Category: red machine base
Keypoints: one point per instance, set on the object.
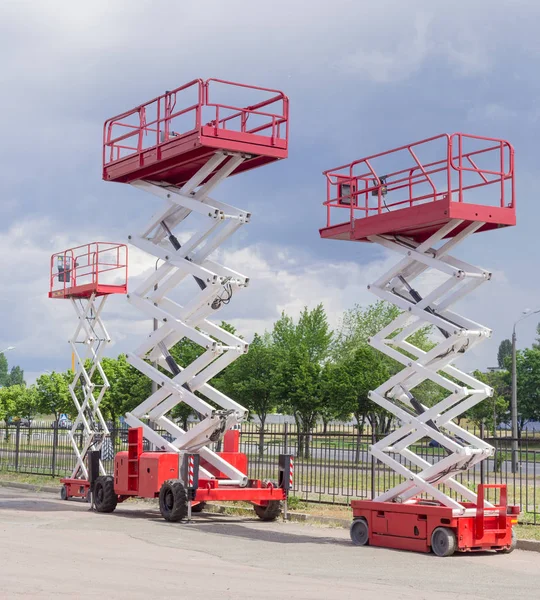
(74, 488)
(423, 526)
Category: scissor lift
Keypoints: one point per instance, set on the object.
(87, 275)
(421, 201)
(179, 147)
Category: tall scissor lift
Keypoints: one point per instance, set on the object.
(87, 275)
(179, 147)
(421, 201)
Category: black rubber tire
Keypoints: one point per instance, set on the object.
(270, 512)
(513, 544)
(359, 532)
(63, 492)
(105, 498)
(173, 500)
(443, 541)
(197, 508)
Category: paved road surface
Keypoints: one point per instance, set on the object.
(51, 548)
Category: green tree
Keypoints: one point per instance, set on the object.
(16, 376)
(9, 399)
(504, 353)
(4, 373)
(528, 386)
(53, 395)
(128, 387)
(301, 352)
(492, 411)
(250, 381)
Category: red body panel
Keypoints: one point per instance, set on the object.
(410, 526)
(154, 469)
(76, 488)
(236, 459)
(420, 222)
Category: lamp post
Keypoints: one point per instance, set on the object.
(513, 404)
(8, 348)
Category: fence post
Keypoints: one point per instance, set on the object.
(285, 438)
(373, 441)
(482, 462)
(55, 444)
(17, 445)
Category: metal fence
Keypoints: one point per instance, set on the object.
(332, 466)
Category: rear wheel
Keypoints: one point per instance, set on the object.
(359, 532)
(173, 500)
(270, 512)
(197, 508)
(513, 544)
(443, 541)
(105, 498)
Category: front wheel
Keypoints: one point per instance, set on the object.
(359, 532)
(270, 512)
(105, 498)
(443, 541)
(173, 500)
(64, 492)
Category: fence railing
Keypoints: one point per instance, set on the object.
(332, 465)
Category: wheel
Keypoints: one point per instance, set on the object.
(443, 541)
(105, 498)
(513, 544)
(359, 532)
(173, 500)
(270, 512)
(64, 492)
(198, 507)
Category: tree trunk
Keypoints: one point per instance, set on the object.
(261, 436)
(300, 437)
(359, 433)
(307, 426)
(325, 425)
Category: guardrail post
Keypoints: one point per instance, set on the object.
(54, 448)
(373, 442)
(482, 463)
(17, 445)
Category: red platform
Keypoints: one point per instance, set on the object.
(415, 189)
(97, 268)
(410, 526)
(172, 136)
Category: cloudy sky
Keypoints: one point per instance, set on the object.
(362, 77)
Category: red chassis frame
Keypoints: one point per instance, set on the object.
(409, 526)
(141, 474)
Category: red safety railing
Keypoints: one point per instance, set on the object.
(441, 167)
(188, 108)
(89, 266)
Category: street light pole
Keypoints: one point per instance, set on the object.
(513, 404)
(8, 348)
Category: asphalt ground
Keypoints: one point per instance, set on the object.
(51, 548)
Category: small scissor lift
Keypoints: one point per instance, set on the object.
(179, 147)
(87, 275)
(420, 201)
